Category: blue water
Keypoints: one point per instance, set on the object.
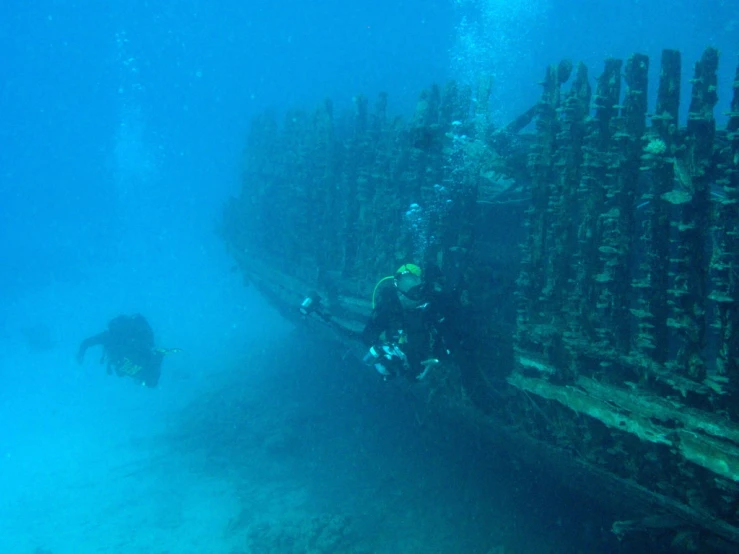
(121, 133)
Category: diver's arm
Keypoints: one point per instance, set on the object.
(99, 339)
(380, 318)
(374, 327)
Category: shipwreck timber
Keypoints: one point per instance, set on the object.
(597, 255)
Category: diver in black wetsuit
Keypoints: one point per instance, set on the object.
(416, 324)
(128, 346)
(403, 333)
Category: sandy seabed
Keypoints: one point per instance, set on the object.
(282, 458)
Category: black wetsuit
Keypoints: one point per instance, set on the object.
(129, 349)
(439, 328)
(422, 332)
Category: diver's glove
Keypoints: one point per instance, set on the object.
(387, 359)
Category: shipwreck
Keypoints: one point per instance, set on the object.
(596, 239)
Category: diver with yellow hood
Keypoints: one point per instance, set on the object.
(418, 321)
(410, 329)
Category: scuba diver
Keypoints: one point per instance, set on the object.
(128, 346)
(411, 327)
(417, 323)
(418, 320)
